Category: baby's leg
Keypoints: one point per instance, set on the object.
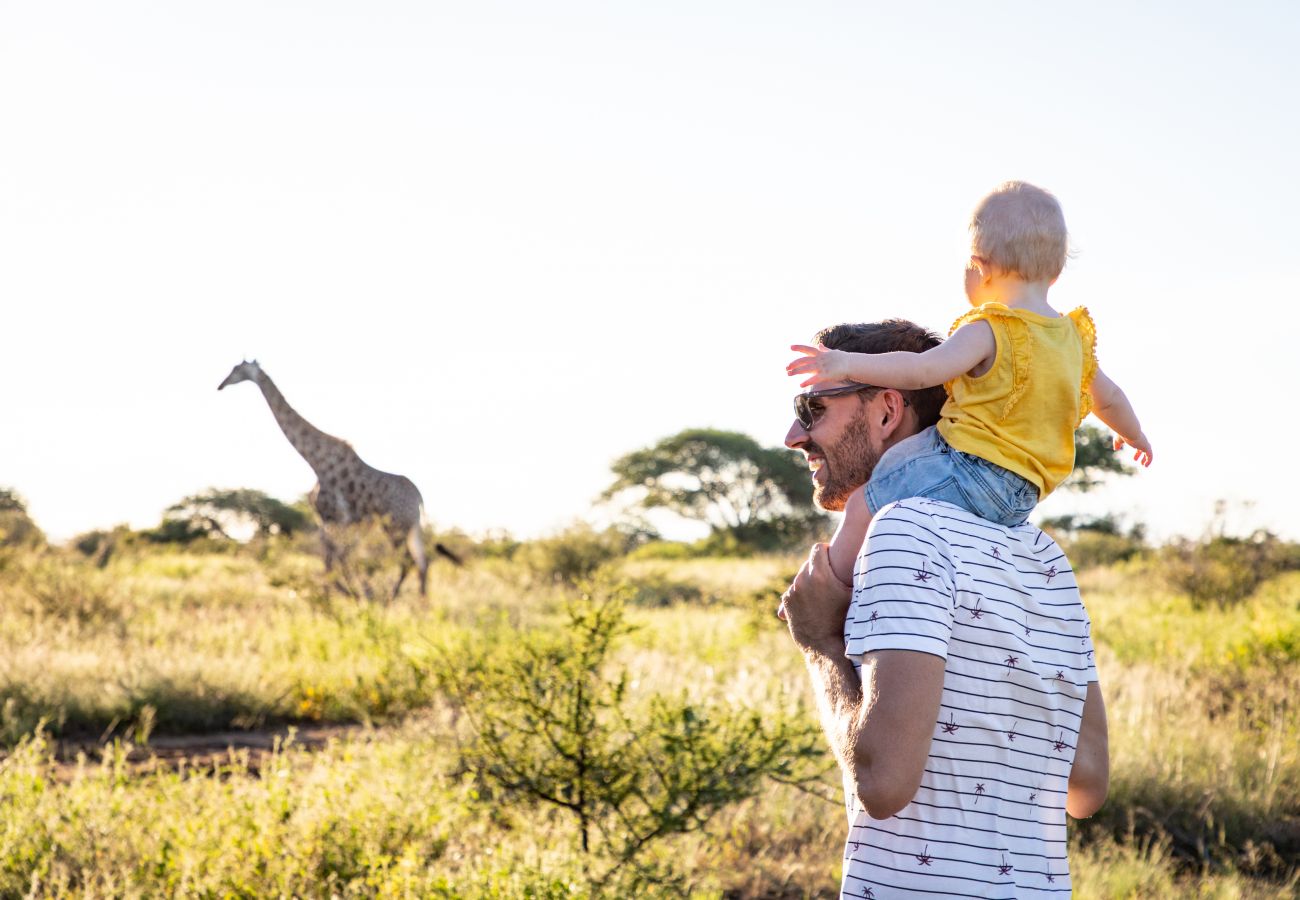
(848, 539)
(846, 543)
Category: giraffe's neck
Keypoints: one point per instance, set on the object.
(321, 450)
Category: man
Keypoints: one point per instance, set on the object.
(957, 688)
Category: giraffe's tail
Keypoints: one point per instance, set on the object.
(443, 551)
(438, 547)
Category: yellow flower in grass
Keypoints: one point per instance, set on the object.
(310, 705)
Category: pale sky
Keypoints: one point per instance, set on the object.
(497, 244)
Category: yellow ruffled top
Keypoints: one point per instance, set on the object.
(1021, 414)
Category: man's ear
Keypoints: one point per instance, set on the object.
(891, 413)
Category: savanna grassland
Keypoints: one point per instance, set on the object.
(457, 767)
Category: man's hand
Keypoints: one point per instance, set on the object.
(820, 364)
(1140, 445)
(815, 605)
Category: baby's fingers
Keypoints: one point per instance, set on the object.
(804, 349)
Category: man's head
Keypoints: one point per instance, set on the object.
(1018, 230)
(848, 430)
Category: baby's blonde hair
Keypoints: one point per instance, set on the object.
(1020, 229)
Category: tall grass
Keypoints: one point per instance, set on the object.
(219, 641)
(1205, 731)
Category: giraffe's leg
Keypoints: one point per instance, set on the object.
(328, 550)
(415, 543)
(401, 577)
(336, 560)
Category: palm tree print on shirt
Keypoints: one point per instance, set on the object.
(922, 575)
(951, 726)
(1005, 868)
(923, 858)
(979, 792)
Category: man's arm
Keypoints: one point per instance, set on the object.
(879, 727)
(1090, 774)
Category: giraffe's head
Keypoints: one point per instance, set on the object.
(245, 371)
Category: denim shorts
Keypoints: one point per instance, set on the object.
(924, 465)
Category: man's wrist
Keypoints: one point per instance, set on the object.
(828, 647)
(828, 643)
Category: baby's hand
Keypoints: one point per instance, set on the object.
(819, 364)
(1141, 447)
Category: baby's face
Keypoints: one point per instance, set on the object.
(975, 288)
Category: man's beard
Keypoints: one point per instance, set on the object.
(849, 464)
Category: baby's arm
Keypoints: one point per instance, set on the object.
(969, 346)
(1111, 406)
(848, 539)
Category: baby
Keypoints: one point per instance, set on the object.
(1020, 378)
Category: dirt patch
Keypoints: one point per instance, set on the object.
(202, 753)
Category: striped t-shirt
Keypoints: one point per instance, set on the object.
(1001, 607)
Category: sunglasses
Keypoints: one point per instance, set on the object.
(808, 407)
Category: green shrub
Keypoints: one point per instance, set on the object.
(572, 555)
(553, 726)
(1095, 541)
(497, 544)
(102, 545)
(1093, 549)
(657, 589)
(59, 587)
(17, 530)
(666, 550)
(1224, 570)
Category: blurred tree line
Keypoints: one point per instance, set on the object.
(753, 500)
(759, 499)
(16, 527)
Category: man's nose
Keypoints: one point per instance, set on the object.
(797, 436)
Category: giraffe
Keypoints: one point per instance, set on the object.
(347, 490)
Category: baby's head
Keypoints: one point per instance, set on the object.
(1019, 231)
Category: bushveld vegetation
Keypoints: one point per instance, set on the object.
(591, 714)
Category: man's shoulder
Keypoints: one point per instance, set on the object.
(954, 526)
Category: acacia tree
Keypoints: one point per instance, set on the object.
(214, 512)
(1094, 458)
(725, 479)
